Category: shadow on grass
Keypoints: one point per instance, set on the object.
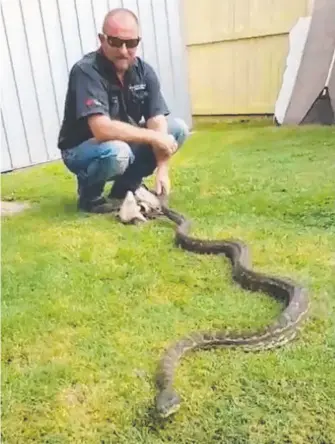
(56, 207)
(64, 208)
(54, 210)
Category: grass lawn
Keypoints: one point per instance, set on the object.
(89, 305)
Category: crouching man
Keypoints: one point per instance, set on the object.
(116, 125)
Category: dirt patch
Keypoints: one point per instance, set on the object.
(73, 396)
(10, 208)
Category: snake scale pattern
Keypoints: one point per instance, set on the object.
(282, 330)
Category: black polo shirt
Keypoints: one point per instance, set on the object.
(94, 88)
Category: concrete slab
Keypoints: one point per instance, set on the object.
(11, 208)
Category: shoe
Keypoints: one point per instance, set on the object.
(98, 205)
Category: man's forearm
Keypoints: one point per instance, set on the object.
(104, 129)
(158, 123)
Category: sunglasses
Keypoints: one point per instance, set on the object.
(116, 42)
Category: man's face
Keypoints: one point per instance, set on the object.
(117, 30)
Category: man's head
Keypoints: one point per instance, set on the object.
(120, 29)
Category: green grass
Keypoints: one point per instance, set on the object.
(89, 305)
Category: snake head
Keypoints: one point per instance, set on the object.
(167, 402)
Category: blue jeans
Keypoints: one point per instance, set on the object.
(96, 163)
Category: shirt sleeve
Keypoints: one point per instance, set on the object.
(89, 92)
(155, 103)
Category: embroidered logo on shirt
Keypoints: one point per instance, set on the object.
(139, 87)
(91, 102)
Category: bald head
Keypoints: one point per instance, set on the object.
(118, 18)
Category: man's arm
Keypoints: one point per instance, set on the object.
(103, 129)
(92, 103)
(155, 110)
(162, 183)
(158, 123)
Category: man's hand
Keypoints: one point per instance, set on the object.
(163, 145)
(162, 180)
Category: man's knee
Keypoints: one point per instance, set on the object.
(178, 129)
(115, 158)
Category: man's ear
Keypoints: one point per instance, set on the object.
(101, 37)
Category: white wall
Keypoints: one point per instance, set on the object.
(42, 39)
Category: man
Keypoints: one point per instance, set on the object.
(102, 137)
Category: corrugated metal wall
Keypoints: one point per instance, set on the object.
(42, 39)
(237, 52)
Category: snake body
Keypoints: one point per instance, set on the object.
(281, 331)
